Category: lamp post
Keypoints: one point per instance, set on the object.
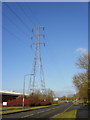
(24, 88)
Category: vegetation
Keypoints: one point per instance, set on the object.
(10, 108)
(28, 102)
(70, 114)
(48, 95)
(18, 109)
(80, 80)
(69, 98)
(34, 99)
(76, 102)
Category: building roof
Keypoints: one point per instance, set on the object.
(10, 92)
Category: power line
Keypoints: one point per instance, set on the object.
(17, 16)
(15, 36)
(35, 16)
(11, 21)
(26, 14)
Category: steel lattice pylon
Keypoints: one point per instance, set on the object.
(37, 62)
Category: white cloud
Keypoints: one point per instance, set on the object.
(81, 50)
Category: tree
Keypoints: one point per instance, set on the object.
(36, 95)
(83, 61)
(80, 80)
(50, 94)
(39, 95)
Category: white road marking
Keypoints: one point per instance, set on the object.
(27, 115)
(40, 111)
(48, 109)
(63, 111)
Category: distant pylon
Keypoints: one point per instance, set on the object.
(37, 63)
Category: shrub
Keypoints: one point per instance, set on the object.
(28, 102)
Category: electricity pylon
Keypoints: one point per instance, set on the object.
(37, 63)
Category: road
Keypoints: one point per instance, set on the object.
(40, 113)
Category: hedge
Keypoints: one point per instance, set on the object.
(28, 102)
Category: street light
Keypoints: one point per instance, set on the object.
(24, 87)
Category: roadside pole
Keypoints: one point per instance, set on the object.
(23, 101)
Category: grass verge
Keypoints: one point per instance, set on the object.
(9, 108)
(6, 110)
(70, 114)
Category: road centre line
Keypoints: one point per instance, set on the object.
(33, 114)
(40, 111)
(67, 109)
(48, 109)
(27, 115)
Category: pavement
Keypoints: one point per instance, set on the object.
(83, 112)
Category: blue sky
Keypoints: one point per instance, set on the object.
(66, 28)
(1, 45)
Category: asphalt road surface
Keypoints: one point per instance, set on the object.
(83, 112)
(40, 113)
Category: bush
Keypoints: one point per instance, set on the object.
(28, 102)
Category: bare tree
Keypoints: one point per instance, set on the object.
(80, 80)
(83, 61)
(50, 94)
